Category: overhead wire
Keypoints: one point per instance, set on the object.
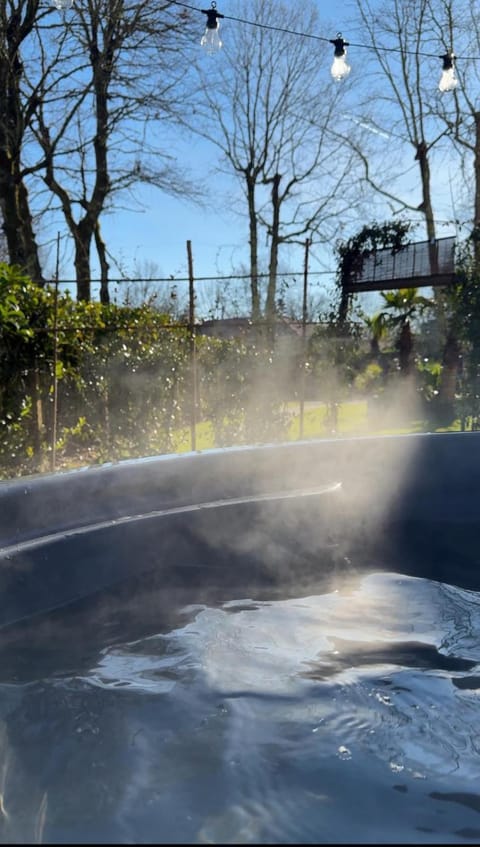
(316, 37)
(217, 278)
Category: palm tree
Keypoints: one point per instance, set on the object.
(378, 326)
(401, 307)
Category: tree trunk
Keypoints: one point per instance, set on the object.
(18, 225)
(444, 401)
(427, 208)
(448, 380)
(405, 348)
(273, 264)
(83, 240)
(15, 209)
(476, 212)
(104, 266)
(344, 303)
(253, 229)
(14, 201)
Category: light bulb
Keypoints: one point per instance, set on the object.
(448, 79)
(340, 68)
(211, 41)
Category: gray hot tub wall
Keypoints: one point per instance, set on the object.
(248, 519)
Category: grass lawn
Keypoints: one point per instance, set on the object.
(204, 438)
(352, 420)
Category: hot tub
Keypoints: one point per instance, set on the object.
(256, 645)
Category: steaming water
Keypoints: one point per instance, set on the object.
(351, 716)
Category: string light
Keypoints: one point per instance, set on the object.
(340, 69)
(211, 40)
(448, 79)
(450, 56)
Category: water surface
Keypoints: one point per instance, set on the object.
(350, 716)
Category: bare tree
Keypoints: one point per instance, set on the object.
(83, 101)
(269, 106)
(98, 112)
(402, 84)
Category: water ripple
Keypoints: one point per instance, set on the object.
(347, 717)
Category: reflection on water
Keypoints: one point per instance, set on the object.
(347, 717)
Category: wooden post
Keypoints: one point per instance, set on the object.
(55, 360)
(476, 221)
(304, 339)
(193, 347)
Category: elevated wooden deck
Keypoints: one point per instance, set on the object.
(414, 266)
